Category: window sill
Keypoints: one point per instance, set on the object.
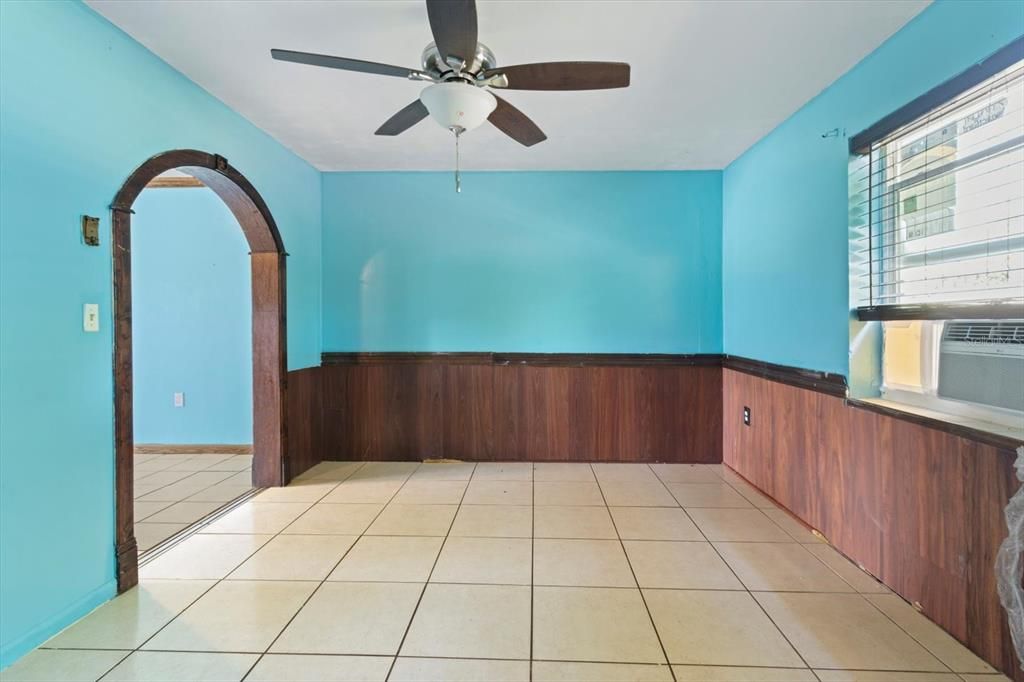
(999, 435)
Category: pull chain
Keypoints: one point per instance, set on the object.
(458, 179)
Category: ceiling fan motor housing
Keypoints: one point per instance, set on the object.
(458, 106)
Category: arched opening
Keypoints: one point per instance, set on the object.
(268, 329)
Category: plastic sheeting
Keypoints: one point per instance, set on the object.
(1010, 563)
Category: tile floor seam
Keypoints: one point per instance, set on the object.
(218, 582)
(643, 597)
(433, 566)
(119, 661)
(196, 526)
(855, 591)
(533, 550)
(139, 498)
(187, 475)
(855, 565)
(523, 660)
(745, 588)
(329, 572)
(259, 656)
(911, 635)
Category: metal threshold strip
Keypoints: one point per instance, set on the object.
(166, 544)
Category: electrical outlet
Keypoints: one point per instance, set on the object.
(746, 416)
(179, 400)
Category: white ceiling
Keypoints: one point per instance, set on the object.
(709, 78)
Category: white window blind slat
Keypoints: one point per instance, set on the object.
(937, 206)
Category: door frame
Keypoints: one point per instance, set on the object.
(268, 330)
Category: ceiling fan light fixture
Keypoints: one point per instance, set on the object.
(458, 106)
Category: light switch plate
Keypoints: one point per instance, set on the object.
(179, 400)
(91, 317)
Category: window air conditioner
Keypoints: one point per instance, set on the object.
(982, 361)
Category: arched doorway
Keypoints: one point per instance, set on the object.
(268, 329)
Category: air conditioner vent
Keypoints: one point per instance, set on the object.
(985, 332)
(982, 361)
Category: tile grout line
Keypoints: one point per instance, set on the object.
(328, 574)
(743, 584)
(216, 582)
(172, 540)
(394, 661)
(412, 616)
(188, 526)
(134, 650)
(533, 550)
(187, 475)
(855, 591)
(622, 546)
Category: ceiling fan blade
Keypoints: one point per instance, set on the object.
(516, 124)
(347, 64)
(562, 76)
(453, 23)
(406, 118)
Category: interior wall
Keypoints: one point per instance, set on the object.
(785, 236)
(81, 106)
(527, 261)
(191, 319)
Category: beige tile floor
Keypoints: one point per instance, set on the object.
(174, 491)
(402, 571)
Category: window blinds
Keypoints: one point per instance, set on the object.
(937, 209)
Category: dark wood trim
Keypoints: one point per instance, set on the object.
(534, 359)
(174, 182)
(192, 448)
(835, 385)
(952, 428)
(822, 382)
(269, 321)
(402, 358)
(942, 311)
(608, 359)
(939, 95)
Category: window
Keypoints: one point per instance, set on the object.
(940, 192)
(937, 250)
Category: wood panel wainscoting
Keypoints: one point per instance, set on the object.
(540, 407)
(916, 502)
(919, 507)
(303, 420)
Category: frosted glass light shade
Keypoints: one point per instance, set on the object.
(458, 105)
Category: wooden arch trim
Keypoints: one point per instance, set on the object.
(268, 330)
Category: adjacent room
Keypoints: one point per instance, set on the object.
(191, 358)
(508, 341)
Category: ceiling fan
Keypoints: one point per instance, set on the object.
(463, 70)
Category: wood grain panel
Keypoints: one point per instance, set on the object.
(919, 508)
(477, 408)
(304, 420)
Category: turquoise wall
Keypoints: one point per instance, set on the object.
(191, 319)
(546, 262)
(785, 225)
(528, 262)
(81, 106)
